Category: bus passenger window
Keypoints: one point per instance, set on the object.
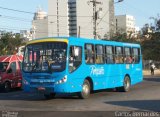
(119, 55)
(75, 58)
(99, 54)
(89, 54)
(136, 55)
(128, 56)
(109, 54)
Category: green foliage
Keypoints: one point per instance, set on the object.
(124, 38)
(9, 43)
(151, 47)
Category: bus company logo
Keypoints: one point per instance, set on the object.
(97, 70)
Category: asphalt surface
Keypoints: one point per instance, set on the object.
(144, 96)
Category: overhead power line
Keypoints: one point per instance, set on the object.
(15, 18)
(15, 10)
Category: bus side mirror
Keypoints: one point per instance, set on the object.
(9, 70)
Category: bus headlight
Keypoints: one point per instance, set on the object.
(25, 82)
(63, 80)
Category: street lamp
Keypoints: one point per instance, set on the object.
(119, 1)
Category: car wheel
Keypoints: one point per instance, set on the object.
(7, 87)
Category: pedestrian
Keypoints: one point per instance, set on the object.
(152, 68)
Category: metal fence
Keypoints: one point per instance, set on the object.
(147, 64)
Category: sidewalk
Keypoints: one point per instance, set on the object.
(147, 73)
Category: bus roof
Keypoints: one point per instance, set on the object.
(73, 40)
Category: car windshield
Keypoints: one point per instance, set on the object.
(43, 57)
(3, 66)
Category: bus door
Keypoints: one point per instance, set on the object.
(75, 61)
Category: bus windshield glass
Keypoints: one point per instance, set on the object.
(45, 57)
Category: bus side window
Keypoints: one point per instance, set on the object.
(99, 54)
(136, 55)
(127, 55)
(75, 58)
(89, 54)
(119, 55)
(109, 52)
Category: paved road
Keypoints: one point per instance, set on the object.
(143, 96)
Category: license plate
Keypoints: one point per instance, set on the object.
(41, 88)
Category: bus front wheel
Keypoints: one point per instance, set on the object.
(84, 94)
(126, 85)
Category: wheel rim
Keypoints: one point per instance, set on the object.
(85, 89)
(127, 83)
(7, 87)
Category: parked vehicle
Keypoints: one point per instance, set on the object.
(10, 72)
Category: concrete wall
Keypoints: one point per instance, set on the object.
(63, 18)
(40, 28)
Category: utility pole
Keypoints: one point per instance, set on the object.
(95, 17)
(57, 18)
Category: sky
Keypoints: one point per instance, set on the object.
(142, 10)
(16, 20)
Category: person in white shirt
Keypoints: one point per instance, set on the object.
(152, 68)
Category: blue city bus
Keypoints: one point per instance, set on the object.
(56, 65)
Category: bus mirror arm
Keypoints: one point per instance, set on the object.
(50, 70)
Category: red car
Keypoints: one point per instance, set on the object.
(10, 72)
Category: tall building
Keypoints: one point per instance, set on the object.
(75, 18)
(40, 24)
(58, 18)
(125, 24)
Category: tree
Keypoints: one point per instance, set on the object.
(9, 43)
(145, 29)
(124, 37)
(150, 48)
(158, 24)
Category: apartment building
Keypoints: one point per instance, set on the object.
(58, 18)
(39, 24)
(75, 18)
(125, 24)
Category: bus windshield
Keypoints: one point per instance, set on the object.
(45, 57)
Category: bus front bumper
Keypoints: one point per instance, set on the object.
(60, 88)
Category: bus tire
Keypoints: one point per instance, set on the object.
(7, 87)
(50, 96)
(86, 89)
(126, 85)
